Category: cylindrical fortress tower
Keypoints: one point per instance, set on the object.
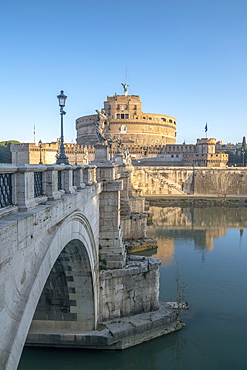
(128, 123)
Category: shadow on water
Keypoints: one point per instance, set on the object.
(144, 356)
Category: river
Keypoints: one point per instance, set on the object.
(203, 254)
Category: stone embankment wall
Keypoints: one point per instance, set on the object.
(223, 181)
(157, 180)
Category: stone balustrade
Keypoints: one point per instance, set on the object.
(23, 187)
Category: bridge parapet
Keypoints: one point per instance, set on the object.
(24, 187)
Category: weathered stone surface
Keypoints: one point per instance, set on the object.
(160, 180)
(133, 289)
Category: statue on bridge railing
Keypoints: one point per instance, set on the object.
(102, 126)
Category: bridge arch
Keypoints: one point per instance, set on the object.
(67, 300)
(74, 235)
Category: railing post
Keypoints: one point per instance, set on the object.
(93, 172)
(25, 187)
(89, 175)
(51, 183)
(68, 180)
(78, 177)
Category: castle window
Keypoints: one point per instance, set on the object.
(118, 116)
(122, 116)
(118, 106)
(109, 107)
(163, 119)
(126, 116)
(170, 120)
(135, 107)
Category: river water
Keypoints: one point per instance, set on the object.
(203, 254)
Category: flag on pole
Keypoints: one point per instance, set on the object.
(206, 127)
(34, 133)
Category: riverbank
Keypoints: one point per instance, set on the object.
(192, 200)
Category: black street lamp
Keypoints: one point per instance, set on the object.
(40, 152)
(61, 158)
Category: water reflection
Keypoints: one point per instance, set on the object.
(200, 225)
(146, 356)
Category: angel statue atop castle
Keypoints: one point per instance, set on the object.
(125, 87)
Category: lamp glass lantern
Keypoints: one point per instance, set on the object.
(61, 99)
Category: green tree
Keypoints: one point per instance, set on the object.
(5, 153)
(243, 151)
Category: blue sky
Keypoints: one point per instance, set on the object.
(185, 58)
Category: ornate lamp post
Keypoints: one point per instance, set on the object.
(62, 159)
(40, 152)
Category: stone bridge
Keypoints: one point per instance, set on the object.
(64, 273)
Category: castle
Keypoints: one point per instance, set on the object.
(128, 123)
(149, 138)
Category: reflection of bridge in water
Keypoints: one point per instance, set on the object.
(199, 224)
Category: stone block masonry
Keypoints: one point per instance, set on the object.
(111, 249)
(131, 290)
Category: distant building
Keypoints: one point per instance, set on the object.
(201, 154)
(31, 153)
